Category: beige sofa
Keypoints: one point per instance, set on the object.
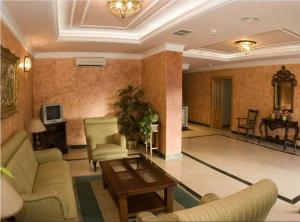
(43, 180)
(250, 204)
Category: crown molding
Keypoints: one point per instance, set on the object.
(206, 54)
(164, 47)
(266, 62)
(172, 15)
(108, 55)
(286, 50)
(13, 27)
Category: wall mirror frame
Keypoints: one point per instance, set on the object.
(284, 83)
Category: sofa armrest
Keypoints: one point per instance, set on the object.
(148, 216)
(119, 139)
(44, 156)
(91, 142)
(209, 197)
(49, 206)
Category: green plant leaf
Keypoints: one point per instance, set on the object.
(6, 172)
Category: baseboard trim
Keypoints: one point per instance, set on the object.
(258, 137)
(199, 123)
(80, 146)
(175, 156)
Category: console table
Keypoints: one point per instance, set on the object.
(273, 124)
(54, 136)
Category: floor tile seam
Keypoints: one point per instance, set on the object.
(257, 144)
(290, 201)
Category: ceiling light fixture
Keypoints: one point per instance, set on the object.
(124, 8)
(246, 45)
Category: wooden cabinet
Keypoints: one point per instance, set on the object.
(53, 137)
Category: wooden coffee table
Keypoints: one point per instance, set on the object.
(133, 184)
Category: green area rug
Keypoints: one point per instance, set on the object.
(96, 205)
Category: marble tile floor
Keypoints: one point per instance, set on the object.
(197, 130)
(252, 165)
(248, 161)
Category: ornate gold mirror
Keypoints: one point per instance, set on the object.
(284, 82)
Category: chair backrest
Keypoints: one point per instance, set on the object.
(18, 156)
(251, 204)
(100, 128)
(252, 115)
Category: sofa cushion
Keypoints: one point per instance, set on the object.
(109, 148)
(23, 166)
(55, 176)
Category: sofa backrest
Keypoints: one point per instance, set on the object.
(17, 155)
(101, 128)
(251, 204)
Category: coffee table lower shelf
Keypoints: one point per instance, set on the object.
(144, 202)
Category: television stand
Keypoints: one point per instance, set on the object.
(53, 137)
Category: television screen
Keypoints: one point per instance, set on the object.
(53, 112)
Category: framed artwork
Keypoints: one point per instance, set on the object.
(9, 83)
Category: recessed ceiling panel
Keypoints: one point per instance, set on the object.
(91, 14)
(263, 40)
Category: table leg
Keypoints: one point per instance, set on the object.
(261, 132)
(123, 209)
(168, 199)
(104, 180)
(286, 133)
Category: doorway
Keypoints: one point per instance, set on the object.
(221, 102)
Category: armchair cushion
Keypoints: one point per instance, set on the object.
(103, 149)
(43, 156)
(119, 140)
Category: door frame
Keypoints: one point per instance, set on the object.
(213, 96)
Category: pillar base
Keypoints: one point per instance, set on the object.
(175, 156)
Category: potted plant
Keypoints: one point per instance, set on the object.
(131, 112)
(147, 124)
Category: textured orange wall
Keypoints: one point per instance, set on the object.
(162, 83)
(21, 119)
(83, 91)
(251, 88)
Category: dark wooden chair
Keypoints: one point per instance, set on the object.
(248, 123)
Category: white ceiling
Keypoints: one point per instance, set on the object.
(85, 26)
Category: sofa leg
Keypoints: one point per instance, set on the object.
(94, 163)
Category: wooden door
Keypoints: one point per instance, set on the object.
(217, 103)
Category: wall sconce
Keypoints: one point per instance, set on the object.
(27, 63)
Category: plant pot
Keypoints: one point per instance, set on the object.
(131, 144)
(155, 127)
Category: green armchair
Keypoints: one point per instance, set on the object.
(103, 140)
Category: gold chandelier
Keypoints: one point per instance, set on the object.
(124, 8)
(246, 45)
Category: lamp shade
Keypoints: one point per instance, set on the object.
(11, 201)
(36, 126)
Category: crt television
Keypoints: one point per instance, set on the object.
(52, 113)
